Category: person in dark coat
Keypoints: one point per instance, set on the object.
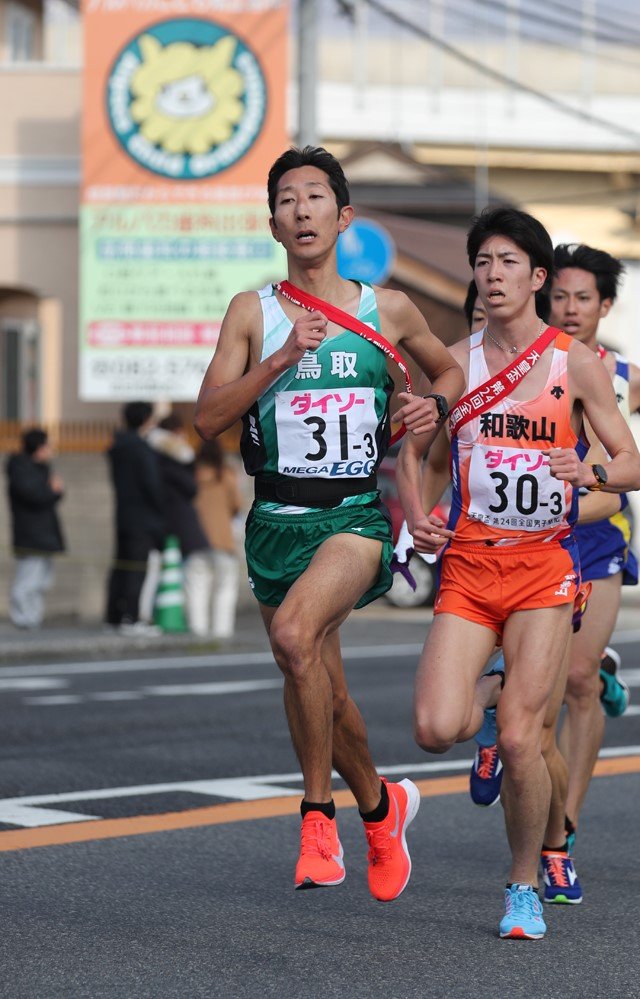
(176, 458)
(34, 493)
(140, 527)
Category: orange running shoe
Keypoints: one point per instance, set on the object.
(320, 861)
(389, 860)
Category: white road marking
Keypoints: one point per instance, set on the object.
(196, 662)
(632, 676)
(235, 659)
(624, 637)
(166, 690)
(28, 811)
(13, 813)
(54, 700)
(213, 688)
(608, 752)
(30, 683)
(117, 695)
(232, 687)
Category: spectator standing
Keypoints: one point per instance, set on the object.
(218, 501)
(176, 459)
(140, 528)
(34, 493)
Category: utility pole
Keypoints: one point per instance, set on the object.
(307, 71)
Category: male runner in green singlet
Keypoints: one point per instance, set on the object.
(314, 400)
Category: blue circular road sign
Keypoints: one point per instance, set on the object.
(366, 252)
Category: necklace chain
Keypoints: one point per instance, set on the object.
(509, 350)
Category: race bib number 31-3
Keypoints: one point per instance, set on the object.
(512, 489)
(327, 433)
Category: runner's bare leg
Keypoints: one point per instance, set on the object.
(534, 644)
(449, 701)
(554, 835)
(583, 729)
(343, 568)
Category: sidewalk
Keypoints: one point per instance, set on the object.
(374, 625)
(57, 640)
(377, 624)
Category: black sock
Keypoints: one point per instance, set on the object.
(569, 827)
(556, 849)
(381, 811)
(327, 808)
(497, 672)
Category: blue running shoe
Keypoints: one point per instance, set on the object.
(523, 914)
(560, 879)
(485, 779)
(615, 696)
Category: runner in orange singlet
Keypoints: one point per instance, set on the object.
(510, 569)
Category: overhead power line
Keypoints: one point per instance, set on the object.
(494, 74)
(576, 13)
(560, 19)
(463, 13)
(565, 17)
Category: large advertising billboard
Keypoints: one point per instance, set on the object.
(184, 111)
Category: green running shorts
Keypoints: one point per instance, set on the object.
(279, 547)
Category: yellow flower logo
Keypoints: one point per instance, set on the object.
(187, 99)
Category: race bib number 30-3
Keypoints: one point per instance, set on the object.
(512, 489)
(327, 433)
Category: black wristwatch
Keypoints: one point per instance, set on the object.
(441, 403)
(600, 476)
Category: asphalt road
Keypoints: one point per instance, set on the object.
(137, 910)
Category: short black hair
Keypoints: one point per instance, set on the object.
(34, 439)
(469, 302)
(606, 269)
(315, 156)
(525, 231)
(543, 300)
(135, 414)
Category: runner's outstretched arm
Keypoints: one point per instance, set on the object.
(428, 532)
(436, 473)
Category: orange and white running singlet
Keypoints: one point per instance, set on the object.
(506, 503)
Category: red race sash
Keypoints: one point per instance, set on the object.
(479, 399)
(349, 322)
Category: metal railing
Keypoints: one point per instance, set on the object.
(90, 436)
(67, 437)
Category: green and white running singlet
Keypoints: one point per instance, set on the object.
(326, 418)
